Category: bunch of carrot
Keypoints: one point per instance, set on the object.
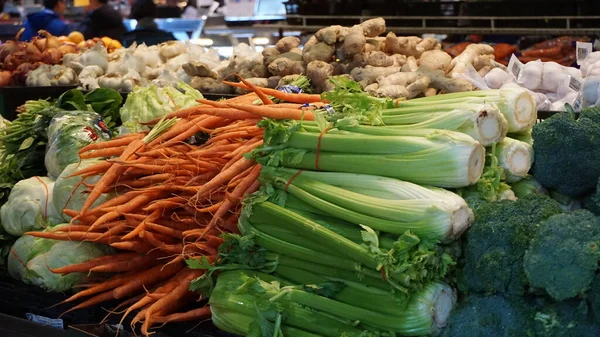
(173, 201)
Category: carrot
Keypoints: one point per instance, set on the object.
(172, 299)
(93, 170)
(69, 228)
(211, 121)
(117, 142)
(107, 285)
(237, 194)
(135, 246)
(147, 277)
(103, 153)
(113, 172)
(137, 262)
(258, 91)
(165, 230)
(224, 176)
(180, 127)
(241, 153)
(294, 98)
(192, 315)
(107, 296)
(70, 236)
(160, 244)
(85, 267)
(148, 299)
(282, 113)
(128, 207)
(152, 217)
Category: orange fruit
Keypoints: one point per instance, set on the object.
(76, 37)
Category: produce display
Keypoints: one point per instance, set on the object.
(361, 186)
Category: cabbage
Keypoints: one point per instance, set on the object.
(148, 103)
(29, 206)
(68, 193)
(69, 131)
(32, 258)
(18, 257)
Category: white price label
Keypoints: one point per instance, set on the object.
(514, 66)
(55, 323)
(583, 49)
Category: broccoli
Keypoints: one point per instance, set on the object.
(567, 152)
(563, 255)
(591, 202)
(490, 316)
(564, 319)
(594, 299)
(497, 241)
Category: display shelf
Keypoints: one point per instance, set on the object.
(519, 25)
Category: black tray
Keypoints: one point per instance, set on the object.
(18, 299)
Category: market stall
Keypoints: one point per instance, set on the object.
(352, 182)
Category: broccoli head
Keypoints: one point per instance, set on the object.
(497, 241)
(594, 299)
(591, 202)
(564, 319)
(563, 255)
(490, 316)
(567, 152)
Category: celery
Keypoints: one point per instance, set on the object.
(314, 308)
(483, 122)
(516, 104)
(384, 204)
(424, 156)
(516, 157)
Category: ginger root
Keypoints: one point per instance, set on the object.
(482, 54)
(355, 42)
(436, 60)
(285, 66)
(379, 59)
(319, 73)
(373, 27)
(332, 34)
(287, 43)
(368, 74)
(409, 45)
(410, 65)
(320, 51)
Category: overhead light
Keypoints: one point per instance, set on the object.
(204, 42)
(261, 41)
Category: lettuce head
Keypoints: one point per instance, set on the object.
(29, 207)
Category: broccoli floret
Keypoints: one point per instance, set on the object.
(563, 255)
(594, 299)
(564, 319)
(490, 316)
(497, 241)
(567, 152)
(591, 202)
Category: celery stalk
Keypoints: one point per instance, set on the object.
(483, 122)
(516, 104)
(516, 157)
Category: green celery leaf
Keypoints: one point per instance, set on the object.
(328, 289)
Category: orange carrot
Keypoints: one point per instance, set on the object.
(294, 98)
(237, 195)
(172, 299)
(282, 113)
(192, 315)
(165, 230)
(107, 296)
(258, 91)
(152, 217)
(201, 125)
(224, 176)
(135, 246)
(117, 142)
(103, 153)
(85, 267)
(177, 129)
(147, 278)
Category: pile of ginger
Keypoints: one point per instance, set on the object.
(385, 65)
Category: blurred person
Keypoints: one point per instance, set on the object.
(102, 20)
(48, 19)
(146, 31)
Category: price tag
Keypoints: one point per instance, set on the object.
(55, 323)
(583, 49)
(240, 8)
(514, 66)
